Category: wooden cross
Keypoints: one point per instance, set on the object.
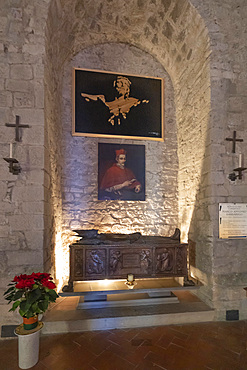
(17, 126)
(234, 140)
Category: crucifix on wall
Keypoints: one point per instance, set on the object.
(232, 176)
(17, 126)
(14, 165)
(234, 140)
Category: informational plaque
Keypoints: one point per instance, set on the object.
(232, 220)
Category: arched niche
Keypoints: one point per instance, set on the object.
(174, 35)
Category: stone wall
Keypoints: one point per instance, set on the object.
(158, 214)
(21, 93)
(228, 258)
(201, 45)
(167, 32)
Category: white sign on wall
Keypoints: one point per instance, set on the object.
(232, 220)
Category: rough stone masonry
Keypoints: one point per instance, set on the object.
(199, 48)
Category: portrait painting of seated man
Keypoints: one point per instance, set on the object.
(123, 178)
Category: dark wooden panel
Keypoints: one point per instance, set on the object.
(95, 262)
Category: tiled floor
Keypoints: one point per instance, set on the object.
(214, 345)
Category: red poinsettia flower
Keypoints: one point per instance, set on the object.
(20, 277)
(41, 275)
(47, 283)
(25, 283)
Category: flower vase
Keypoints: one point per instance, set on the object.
(31, 323)
(28, 346)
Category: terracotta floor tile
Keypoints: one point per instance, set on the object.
(110, 361)
(96, 344)
(132, 354)
(148, 365)
(203, 346)
(165, 340)
(160, 358)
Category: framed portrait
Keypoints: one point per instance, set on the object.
(113, 105)
(121, 172)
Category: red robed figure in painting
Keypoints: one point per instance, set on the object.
(118, 178)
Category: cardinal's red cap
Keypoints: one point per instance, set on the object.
(120, 151)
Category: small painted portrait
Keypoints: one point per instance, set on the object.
(121, 172)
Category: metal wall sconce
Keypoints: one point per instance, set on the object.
(233, 175)
(14, 165)
(239, 169)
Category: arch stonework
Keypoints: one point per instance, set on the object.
(175, 35)
(169, 32)
(200, 48)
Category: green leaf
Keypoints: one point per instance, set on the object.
(9, 298)
(43, 305)
(24, 306)
(22, 313)
(29, 314)
(15, 305)
(34, 296)
(35, 307)
(9, 290)
(53, 294)
(18, 295)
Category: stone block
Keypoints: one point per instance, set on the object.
(34, 135)
(34, 49)
(4, 230)
(21, 72)
(6, 99)
(16, 13)
(237, 104)
(28, 193)
(4, 71)
(15, 57)
(3, 24)
(4, 244)
(33, 207)
(236, 121)
(24, 258)
(19, 85)
(36, 155)
(3, 262)
(34, 239)
(26, 222)
(35, 177)
(39, 95)
(31, 116)
(38, 71)
(22, 99)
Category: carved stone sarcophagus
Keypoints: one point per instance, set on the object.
(113, 256)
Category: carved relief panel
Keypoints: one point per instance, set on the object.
(78, 265)
(165, 260)
(116, 261)
(95, 262)
(126, 260)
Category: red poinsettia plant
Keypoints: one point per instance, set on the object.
(31, 293)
